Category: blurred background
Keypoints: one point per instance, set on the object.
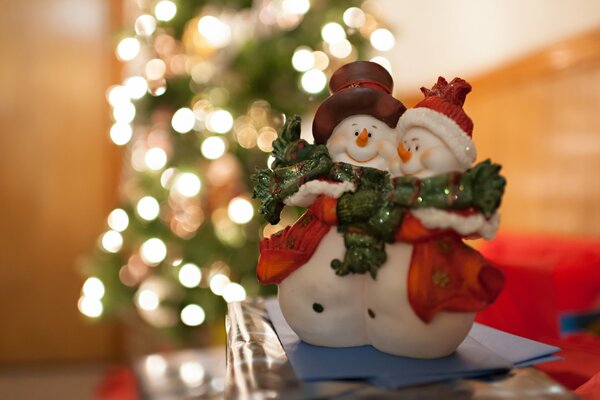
(130, 129)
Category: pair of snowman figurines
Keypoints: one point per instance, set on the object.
(378, 256)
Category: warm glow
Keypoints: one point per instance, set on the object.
(112, 241)
(153, 251)
(333, 33)
(155, 69)
(192, 315)
(314, 81)
(93, 288)
(303, 59)
(321, 60)
(216, 32)
(188, 184)
(156, 366)
(155, 158)
(166, 178)
(382, 39)
(183, 120)
(219, 121)
(354, 17)
(341, 49)
(213, 147)
(218, 283)
(148, 208)
(136, 87)
(234, 292)
(128, 49)
(118, 94)
(265, 139)
(240, 210)
(145, 25)
(124, 113)
(118, 220)
(90, 307)
(190, 275)
(191, 372)
(165, 10)
(121, 133)
(295, 6)
(147, 300)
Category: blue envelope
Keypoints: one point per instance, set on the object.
(484, 351)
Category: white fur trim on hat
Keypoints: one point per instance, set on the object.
(308, 193)
(443, 127)
(466, 225)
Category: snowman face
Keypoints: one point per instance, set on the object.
(423, 154)
(363, 141)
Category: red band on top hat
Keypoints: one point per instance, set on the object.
(366, 84)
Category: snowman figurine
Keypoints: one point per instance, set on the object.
(424, 299)
(356, 123)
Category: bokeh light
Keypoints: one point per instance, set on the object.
(121, 133)
(165, 10)
(155, 158)
(153, 251)
(314, 81)
(216, 32)
(118, 219)
(382, 39)
(190, 275)
(213, 147)
(240, 210)
(128, 49)
(183, 120)
(187, 184)
(112, 241)
(193, 315)
(148, 208)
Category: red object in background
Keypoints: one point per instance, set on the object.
(548, 278)
(118, 384)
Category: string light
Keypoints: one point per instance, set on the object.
(321, 60)
(112, 241)
(313, 81)
(193, 315)
(218, 283)
(153, 251)
(354, 17)
(147, 300)
(240, 210)
(136, 87)
(183, 120)
(165, 10)
(265, 139)
(303, 59)
(333, 33)
(118, 220)
(124, 113)
(213, 147)
(148, 208)
(190, 275)
(155, 69)
(117, 95)
(219, 121)
(187, 184)
(216, 32)
(191, 372)
(382, 39)
(121, 133)
(90, 307)
(145, 25)
(155, 158)
(156, 366)
(341, 49)
(128, 49)
(234, 292)
(93, 288)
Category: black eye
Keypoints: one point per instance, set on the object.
(369, 135)
(355, 133)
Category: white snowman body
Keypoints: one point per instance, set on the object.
(321, 307)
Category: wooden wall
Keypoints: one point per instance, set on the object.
(540, 118)
(57, 173)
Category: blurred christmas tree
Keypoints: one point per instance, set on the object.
(207, 85)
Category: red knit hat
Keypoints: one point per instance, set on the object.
(442, 114)
(360, 87)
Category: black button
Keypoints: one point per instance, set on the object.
(371, 313)
(318, 307)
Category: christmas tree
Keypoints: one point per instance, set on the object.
(207, 85)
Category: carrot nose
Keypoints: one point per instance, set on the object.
(363, 138)
(404, 154)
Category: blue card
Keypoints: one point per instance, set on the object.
(485, 350)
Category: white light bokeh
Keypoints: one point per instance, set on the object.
(121, 133)
(155, 158)
(90, 307)
(299, 7)
(219, 121)
(313, 81)
(165, 10)
(190, 275)
(303, 59)
(354, 17)
(136, 87)
(166, 178)
(183, 120)
(148, 208)
(213, 147)
(218, 283)
(156, 69)
(124, 113)
(382, 39)
(193, 315)
(153, 251)
(384, 62)
(216, 32)
(145, 25)
(128, 49)
(93, 288)
(341, 49)
(112, 241)
(234, 292)
(147, 300)
(240, 210)
(118, 219)
(118, 94)
(188, 184)
(156, 366)
(333, 33)
(191, 373)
